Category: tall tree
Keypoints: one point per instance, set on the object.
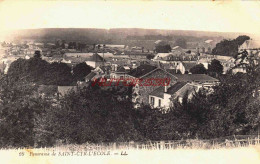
(19, 108)
(163, 48)
(198, 69)
(30, 70)
(81, 70)
(229, 47)
(215, 68)
(58, 74)
(99, 118)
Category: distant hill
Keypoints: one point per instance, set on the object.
(129, 36)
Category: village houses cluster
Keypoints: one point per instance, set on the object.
(124, 62)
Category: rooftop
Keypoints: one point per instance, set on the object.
(142, 70)
(195, 78)
(159, 92)
(95, 57)
(188, 65)
(90, 76)
(177, 86)
(120, 69)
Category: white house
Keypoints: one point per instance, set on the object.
(162, 97)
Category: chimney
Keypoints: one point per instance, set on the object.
(166, 86)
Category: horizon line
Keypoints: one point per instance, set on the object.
(129, 28)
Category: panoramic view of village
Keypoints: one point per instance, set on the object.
(126, 87)
(179, 87)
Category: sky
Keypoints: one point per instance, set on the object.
(220, 16)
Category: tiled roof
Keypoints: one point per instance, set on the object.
(167, 66)
(142, 70)
(75, 60)
(90, 76)
(187, 89)
(195, 78)
(159, 92)
(188, 66)
(107, 55)
(95, 57)
(172, 71)
(177, 86)
(120, 69)
(105, 68)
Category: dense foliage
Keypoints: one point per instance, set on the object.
(94, 114)
(81, 70)
(39, 71)
(215, 68)
(229, 47)
(198, 69)
(163, 48)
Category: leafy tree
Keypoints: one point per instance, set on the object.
(252, 114)
(215, 68)
(81, 70)
(37, 54)
(241, 39)
(58, 74)
(149, 122)
(29, 70)
(198, 69)
(99, 118)
(39, 71)
(229, 47)
(163, 48)
(150, 56)
(19, 110)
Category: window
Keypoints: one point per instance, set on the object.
(159, 103)
(152, 100)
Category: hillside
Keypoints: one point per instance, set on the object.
(128, 36)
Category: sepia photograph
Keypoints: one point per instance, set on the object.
(113, 81)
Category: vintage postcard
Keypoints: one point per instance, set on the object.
(129, 81)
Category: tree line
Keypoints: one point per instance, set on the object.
(39, 71)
